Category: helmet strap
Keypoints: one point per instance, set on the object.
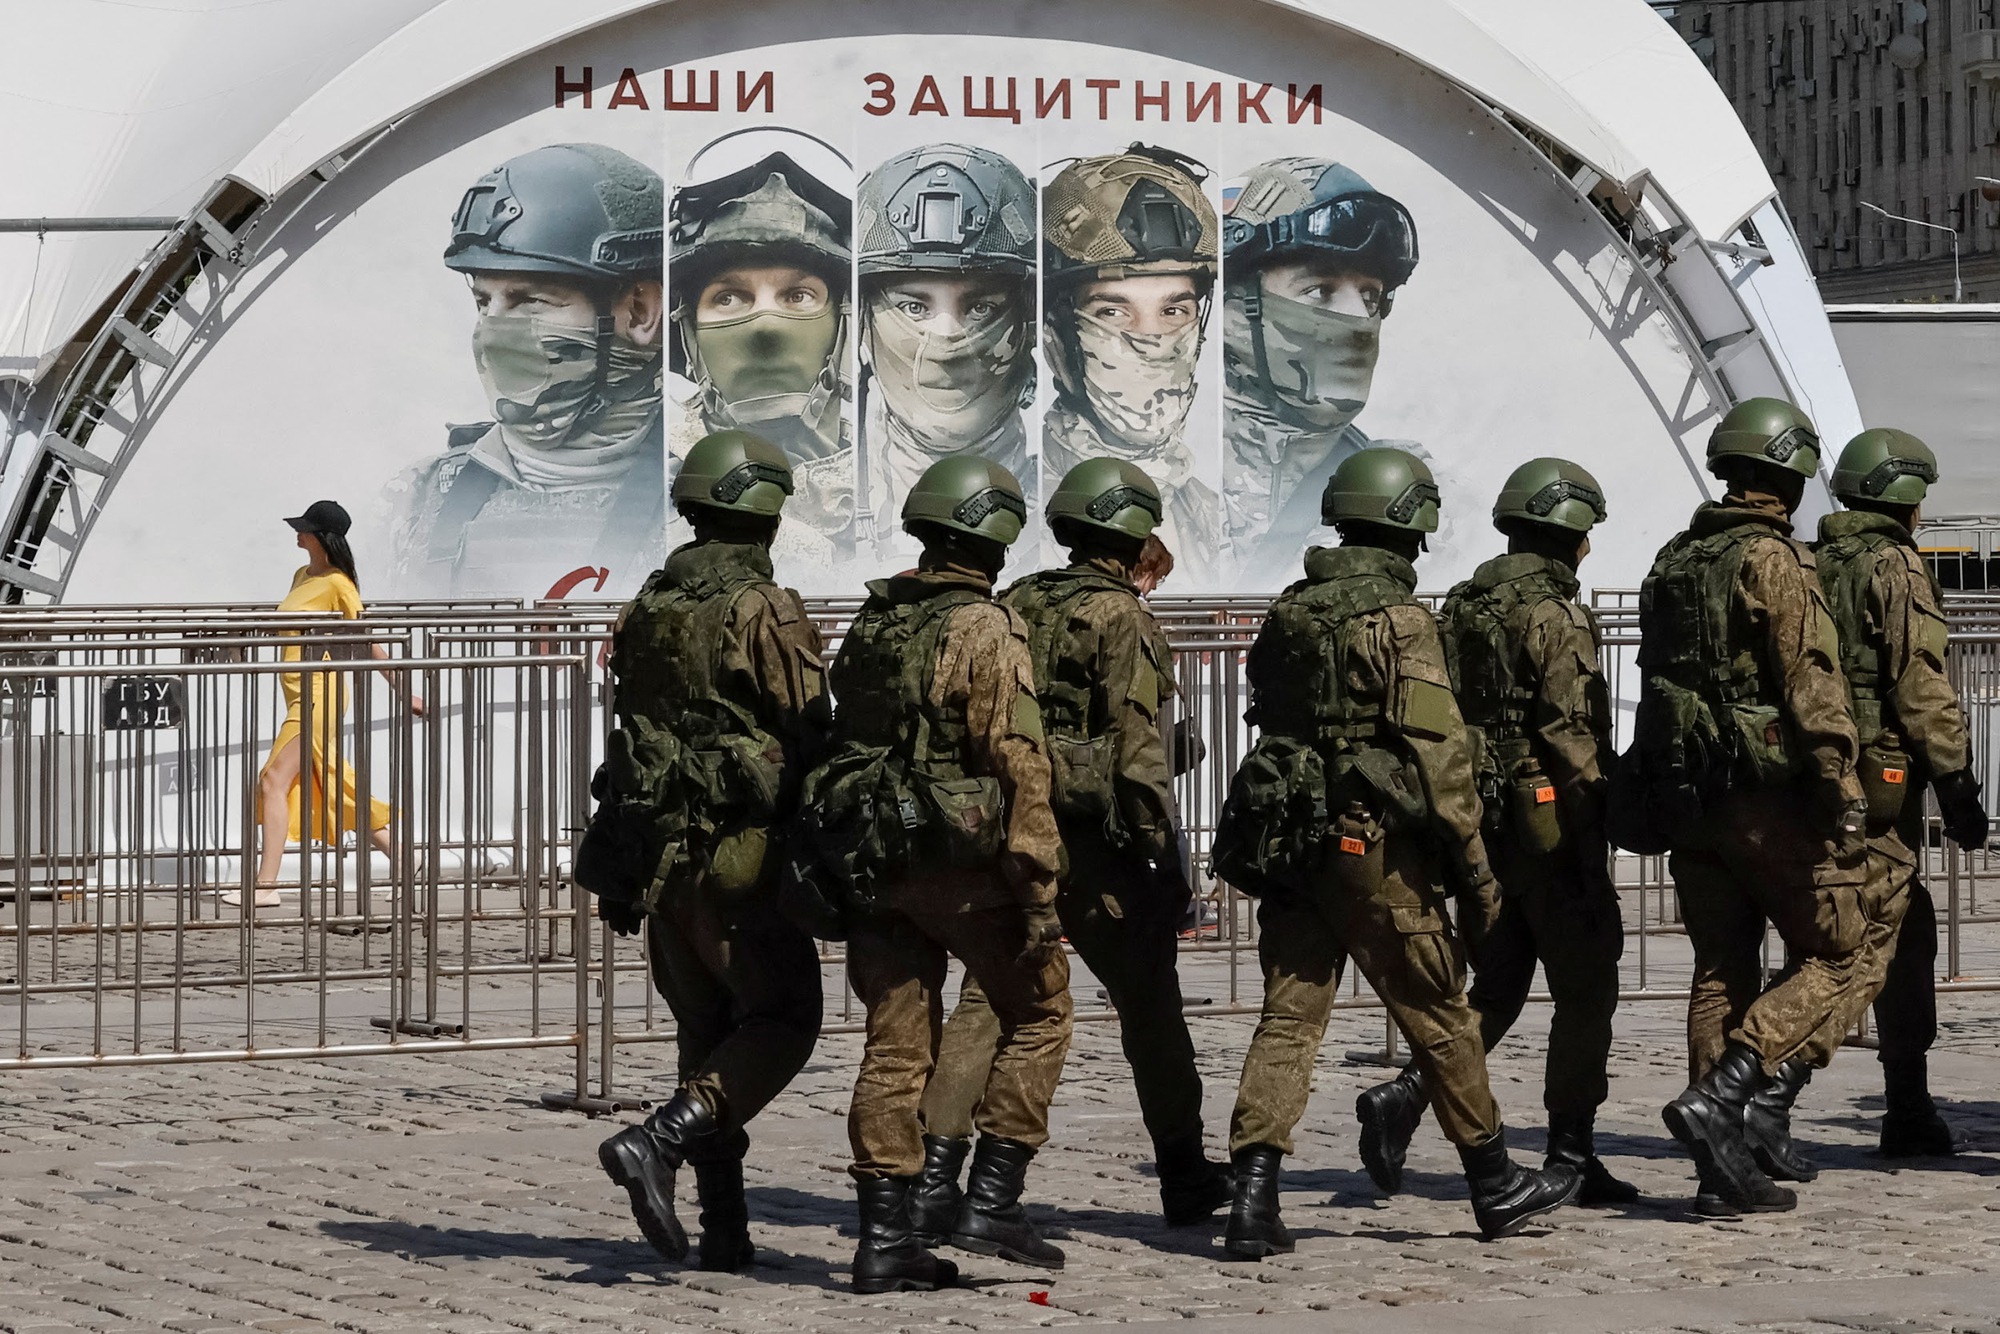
(1253, 308)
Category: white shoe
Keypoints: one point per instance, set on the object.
(267, 897)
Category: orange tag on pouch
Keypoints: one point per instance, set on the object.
(1892, 775)
(1353, 845)
(1544, 795)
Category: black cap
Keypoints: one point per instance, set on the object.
(323, 516)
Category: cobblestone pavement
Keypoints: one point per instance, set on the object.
(437, 1194)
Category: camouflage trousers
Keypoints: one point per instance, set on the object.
(1906, 1008)
(1553, 914)
(1127, 935)
(1385, 910)
(744, 987)
(1761, 858)
(896, 963)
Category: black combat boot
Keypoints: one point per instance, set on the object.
(1191, 1187)
(991, 1220)
(1708, 1119)
(1911, 1126)
(934, 1200)
(888, 1259)
(1505, 1195)
(1390, 1114)
(644, 1158)
(1767, 1125)
(725, 1217)
(1255, 1230)
(1573, 1144)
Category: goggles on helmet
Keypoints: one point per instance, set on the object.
(1371, 228)
(1105, 506)
(729, 488)
(1888, 470)
(976, 510)
(1415, 496)
(1544, 501)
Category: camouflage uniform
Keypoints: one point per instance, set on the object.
(1763, 853)
(1558, 908)
(1394, 925)
(896, 956)
(742, 982)
(1116, 911)
(1893, 633)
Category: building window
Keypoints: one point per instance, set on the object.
(1923, 127)
(1734, 91)
(1875, 125)
(1945, 123)
(1833, 77)
(1902, 132)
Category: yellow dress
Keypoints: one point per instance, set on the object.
(332, 591)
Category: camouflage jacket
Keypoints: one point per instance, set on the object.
(1892, 633)
(1104, 670)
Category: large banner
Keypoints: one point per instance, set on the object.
(496, 334)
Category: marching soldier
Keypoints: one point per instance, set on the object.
(715, 654)
(1890, 614)
(931, 817)
(1103, 675)
(1359, 786)
(1523, 655)
(1743, 765)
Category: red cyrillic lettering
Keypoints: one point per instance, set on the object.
(564, 87)
(929, 98)
(881, 95)
(1140, 101)
(992, 110)
(746, 91)
(1211, 102)
(1245, 103)
(1103, 87)
(1045, 102)
(693, 102)
(628, 93)
(1295, 106)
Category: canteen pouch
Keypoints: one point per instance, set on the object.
(1537, 828)
(1385, 783)
(1885, 781)
(965, 819)
(1082, 786)
(1354, 852)
(1267, 839)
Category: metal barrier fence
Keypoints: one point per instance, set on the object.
(131, 741)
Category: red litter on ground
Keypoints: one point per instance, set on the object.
(1039, 1298)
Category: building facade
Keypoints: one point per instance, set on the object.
(1894, 105)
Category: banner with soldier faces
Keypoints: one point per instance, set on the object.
(1032, 236)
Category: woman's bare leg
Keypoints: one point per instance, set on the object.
(274, 787)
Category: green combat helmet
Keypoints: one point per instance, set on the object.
(1391, 488)
(734, 471)
(1884, 467)
(946, 208)
(970, 495)
(1108, 494)
(1768, 431)
(1552, 492)
(578, 211)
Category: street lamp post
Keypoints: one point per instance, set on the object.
(1957, 287)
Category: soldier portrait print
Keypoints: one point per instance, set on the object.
(561, 252)
(759, 232)
(1129, 261)
(946, 255)
(1312, 259)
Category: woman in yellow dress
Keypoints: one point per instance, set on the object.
(326, 583)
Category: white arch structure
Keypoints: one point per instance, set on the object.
(1602, 91)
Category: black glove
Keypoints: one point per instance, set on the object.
(1850, 830)
(1189, 749)
(1045, 935)
(621, 915)
(1965, 821)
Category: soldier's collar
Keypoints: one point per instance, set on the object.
(916, 585)
(1847, 523)
(1721, 515)
(1520, 564)
(699, 559)
(1324, 563)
